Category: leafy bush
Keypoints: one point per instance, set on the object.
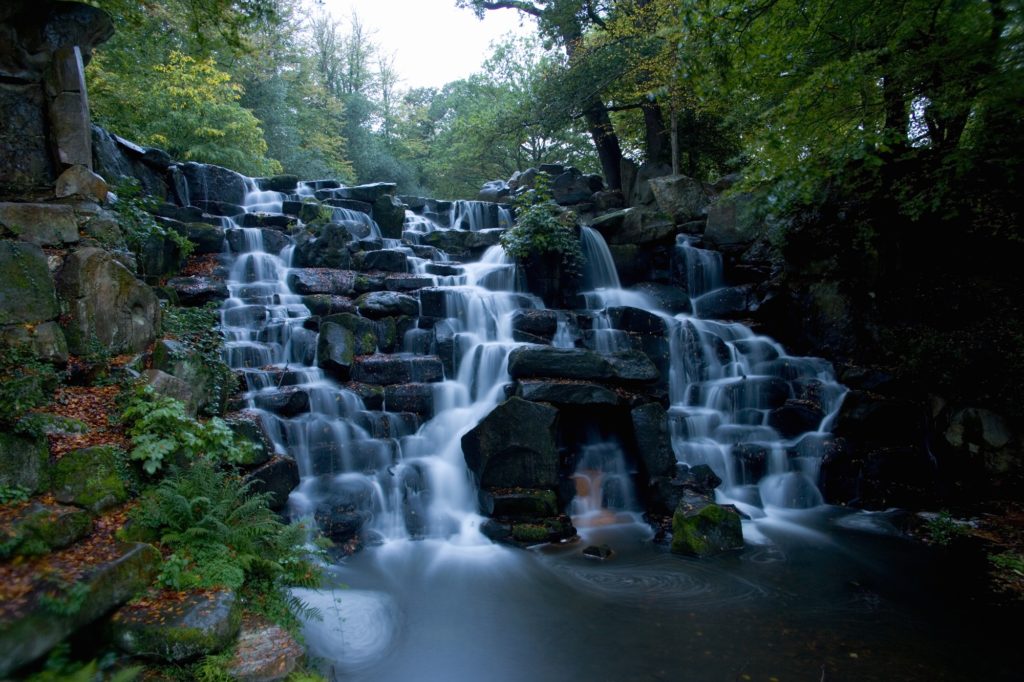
(542, 229)
(25, 383)
(943, 529)
(221, 534)
(159, 429)
(13, 494)
(134, 214)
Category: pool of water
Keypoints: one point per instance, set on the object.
(815, 596)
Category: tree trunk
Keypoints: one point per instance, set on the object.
(599, 125)
(655, 136)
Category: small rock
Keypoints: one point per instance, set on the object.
(264, 653)
(602, 552)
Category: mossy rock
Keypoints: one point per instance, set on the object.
(26, 289)
(530, 532)
(702, 528)
(40, 528)
(524, 503)
(90, 478)
(178, 629)
(24, 461)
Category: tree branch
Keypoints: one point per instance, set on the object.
(525, 7)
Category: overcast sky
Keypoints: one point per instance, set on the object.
(434, 42)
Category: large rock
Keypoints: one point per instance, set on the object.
(335, 350)
(40, 224)
(26, 290)
(571, 187)
(324, 246)
(180, 629)
(45, 340)
(41, 528)
(172, 387)
(416, 398)
(514, 446)
(90, 478)
(278, 478)
(651, 433)
(566, 393)
(462, 245)
(383, 370)
(367, 335)
(680, 197)
(212, 183)
(264, 653)
(27, 636)
(80, 182)
(389, 214)
(378, 304)
(634, 226)
(388, 260)
(306, 281)
(106, 304)
(248, 426)
(24, 461)
(639, 187)
(702, 528)
(528, 362)
(732, 225)
(204, 377)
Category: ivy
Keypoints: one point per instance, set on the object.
(199, 330)
(25, 383)
(134, 213)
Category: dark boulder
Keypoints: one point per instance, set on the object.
(566, 393)
(514, 446)
(306, 281)
(390, 369)
(651, 434)
(702, 528)
(213, 183)
(335, 350)
(378, 304)
(198, 291)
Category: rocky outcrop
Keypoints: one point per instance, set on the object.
(105, 304)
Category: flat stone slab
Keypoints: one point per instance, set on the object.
(395, 369)
(566, 393)
(306, 281)
(40, 224)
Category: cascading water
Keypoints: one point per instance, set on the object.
(453, 606)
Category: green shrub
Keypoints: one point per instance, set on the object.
(13, 494)
(541, 229)
(160, 428)
(221, 534)
(943, 529)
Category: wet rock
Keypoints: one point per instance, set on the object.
(324, 246)
(26, 291)
(537, 323)
(41, 528)
(389, 369)
(208, 239)
(407, 283)
(462, 245)
(352, 205)
(24, 461)
(90, 478)
(306, 281)
(198, 291)
(264, 653)
(634, 226)
(565, 393)
(288, 401)
(388, 260)
(761, 393)
(678, 196)
(278, 477)
(335, 350)
(433, 302)
(753, 460)
(278, 183)
(249, 426)
(570, 187)
(494, 191)
(378, 304)
(636, 320)
(671, 299)
(389, 214)
(728, 303)
(795, 417)
(650, 432)
(306, 211)
(602, 552)
(219, 208)
(366, 334)
(25, 636)
(418, 398)
(327, 304)
(40, 224)
(200, 624)
(702, 528)
(270, 221)
(514, 446)
(207, 182)
(529, 362)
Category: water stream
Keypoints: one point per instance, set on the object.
(813, 596)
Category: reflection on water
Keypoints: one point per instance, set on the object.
(841, 600)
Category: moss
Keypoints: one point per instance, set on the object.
(530, 532)
(711, 529)
(90, 478)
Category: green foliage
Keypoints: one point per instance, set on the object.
(1010, 562)
(199, 330)
(943, 529)
(25, 383)
(134, 215)
(543, 229)
(220, 534)
(13, 494)
(160, 429)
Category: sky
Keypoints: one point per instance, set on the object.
(434, 42)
